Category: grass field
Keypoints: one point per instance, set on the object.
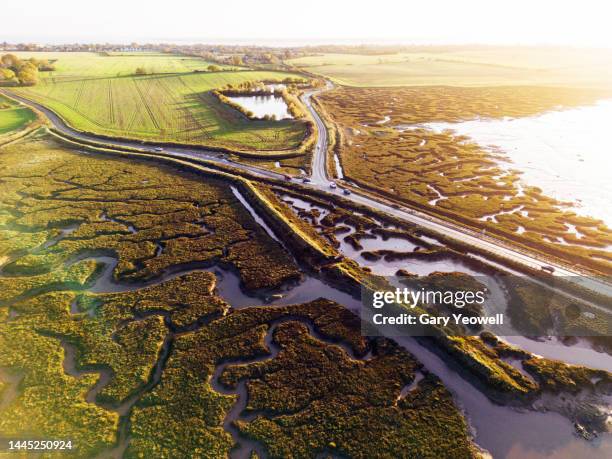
(101, 94)
(80, 65)
(12, 116)
(466, 66)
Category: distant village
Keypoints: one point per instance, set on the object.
(221, 54)
(74, 47)
(232, 55)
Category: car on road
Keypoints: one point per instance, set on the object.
(346, 192)
(158, 149)
(288, 178)
(306, 180)
(333, 185)
(548, 269)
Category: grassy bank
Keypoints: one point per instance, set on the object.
(13, 117)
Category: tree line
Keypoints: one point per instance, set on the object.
(16, 71)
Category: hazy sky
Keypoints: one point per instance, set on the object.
(581, 23)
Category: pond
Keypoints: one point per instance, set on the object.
(271, 105)
(565, 152)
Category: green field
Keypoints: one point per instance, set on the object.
(80, 65)
(101, 94)
(12, 116)
(466, 66)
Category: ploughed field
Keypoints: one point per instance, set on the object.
(147, 364)
(171, 103)
(385, 147)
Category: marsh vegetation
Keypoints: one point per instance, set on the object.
(122, 364)
(448, 175)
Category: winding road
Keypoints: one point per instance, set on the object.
(319, 181)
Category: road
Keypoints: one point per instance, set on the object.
(319, 169)
(320, 181)
(182, 152)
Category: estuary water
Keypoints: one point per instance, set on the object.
(566, 153)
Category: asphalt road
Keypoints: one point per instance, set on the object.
(320, 181)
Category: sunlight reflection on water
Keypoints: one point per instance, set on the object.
(566, 153)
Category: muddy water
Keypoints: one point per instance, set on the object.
(228, 285)
(561, 152)
(63, 232)
(244, 446)
(105, 375)
(578, 354)
(506, 432)
(528, 432)
(503, 431)
(260, 221)
(374, 242)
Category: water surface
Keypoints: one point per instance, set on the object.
(566, 153)
(270, 105)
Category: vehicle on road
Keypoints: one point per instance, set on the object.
(306, 180)
(288, 178)
(548, 269)
(333, 185)
(346, 192)
(158, 149)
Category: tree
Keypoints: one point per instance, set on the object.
(141, 71)
(236, 60)
(7, 74)
(28, 75)
(10, 60)
(214, 68)
(45, 66)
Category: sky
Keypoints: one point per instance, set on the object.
(289, 22)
